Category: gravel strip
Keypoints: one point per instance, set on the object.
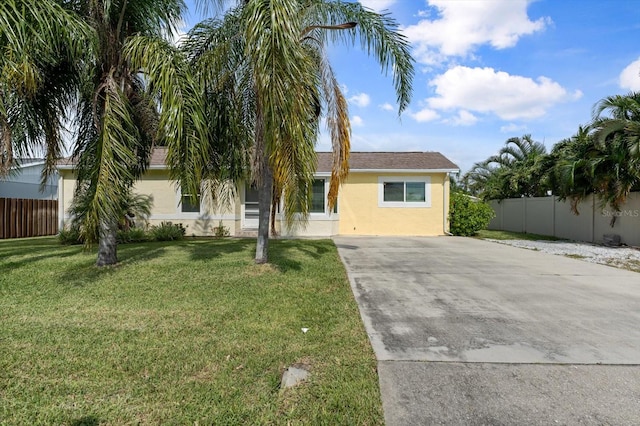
(620, 257)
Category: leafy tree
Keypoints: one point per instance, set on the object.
(266, 62)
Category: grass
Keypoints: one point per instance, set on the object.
(188, 332)
(507, 235)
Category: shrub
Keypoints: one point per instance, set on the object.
(168, 231)
(70, 236)
(468, 216)
(220, 231)
(132, 235)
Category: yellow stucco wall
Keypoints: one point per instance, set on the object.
(361, 215)
(358, 210)
(165, 204)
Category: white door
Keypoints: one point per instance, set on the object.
(250, 216)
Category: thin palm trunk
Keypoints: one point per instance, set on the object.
(107, 244)
(265, 190)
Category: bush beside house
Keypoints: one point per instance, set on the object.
(467, 216)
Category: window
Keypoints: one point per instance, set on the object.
(397, 191)
(188, 205)
(319, 197)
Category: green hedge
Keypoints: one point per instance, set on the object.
(468, 216)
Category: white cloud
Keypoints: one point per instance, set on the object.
(361, 99)
(386, 106)
(377, 5)
(464, 118)
(357, 121)
(630, 76)
(425, 115)
(513, 128)
(486, 90)
(463, 25)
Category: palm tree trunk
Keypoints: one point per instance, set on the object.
(264, 206)
(264, 183)
(107, 244)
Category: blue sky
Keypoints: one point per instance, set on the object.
(488, 70)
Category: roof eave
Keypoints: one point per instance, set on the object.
(404, 170)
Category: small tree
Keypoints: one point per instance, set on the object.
(468, 216)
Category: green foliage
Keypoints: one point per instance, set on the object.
(132, 235)
(249, 79)
(220, 231)
(467, 216)
(70, 236)
(167, 231)
(520, 169)
(602, 159)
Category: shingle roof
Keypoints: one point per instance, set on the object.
(157, 159)
(390, 161)
(357, 161)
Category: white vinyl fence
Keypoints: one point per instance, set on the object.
(549, 216)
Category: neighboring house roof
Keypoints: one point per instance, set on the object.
(358, 161)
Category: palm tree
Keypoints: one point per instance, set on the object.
(573, 172)
(520, 169)
(624, 119)
(617, 140)
(116, 117)
(43, 47)
(268, 60)
(588, 165)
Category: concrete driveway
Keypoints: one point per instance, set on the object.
(473, 332)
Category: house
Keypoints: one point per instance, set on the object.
(386, 193)
(24, 182)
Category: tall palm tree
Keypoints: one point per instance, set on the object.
(267, 58)
(116, 118)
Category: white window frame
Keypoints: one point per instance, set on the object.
(187, 215)
(404, 204)
(326, 213)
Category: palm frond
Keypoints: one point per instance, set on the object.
(378, 35)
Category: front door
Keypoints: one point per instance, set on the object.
(251, 211)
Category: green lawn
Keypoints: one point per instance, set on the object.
(188, 332)
(507, 235)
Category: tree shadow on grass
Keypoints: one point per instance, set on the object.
(283, 253)
(209, 249)
(85, 421)
(84, 273)
(26, 254)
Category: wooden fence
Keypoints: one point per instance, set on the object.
(21, 218)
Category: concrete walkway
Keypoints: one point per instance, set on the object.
(473, 332)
